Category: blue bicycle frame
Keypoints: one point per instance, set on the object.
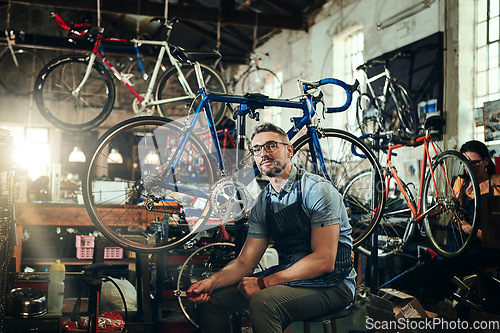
(247, 105)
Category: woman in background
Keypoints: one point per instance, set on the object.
(489, 182)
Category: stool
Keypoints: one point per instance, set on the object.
(329, 319)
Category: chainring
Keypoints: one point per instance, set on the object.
(230, 199)
(136, 106)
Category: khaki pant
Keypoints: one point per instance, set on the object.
(272, 309)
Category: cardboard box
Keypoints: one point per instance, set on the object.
(405, 306)
(393, 304)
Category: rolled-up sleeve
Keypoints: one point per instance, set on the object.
(324, 205)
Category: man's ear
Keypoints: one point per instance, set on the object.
(289, 151)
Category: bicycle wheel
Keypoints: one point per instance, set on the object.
(154, 206)
(170, 87)
(443, 205)
(262, 80)
(64, 108)
(200, 265)
(369, 118)
(406, 112)
(21, 77)
(140, 81)
(396, 225)
(342, 164)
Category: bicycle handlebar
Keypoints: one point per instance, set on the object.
(349, 89)
(76, 29)
(374, 62)
(390, 137)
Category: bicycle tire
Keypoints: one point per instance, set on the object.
(141, 208)
(54, 96)
(396, 225)
(20, 80)
(368, 117)
(406, 111)
(262, 80)
(205, 274)
(341, 164)
(443, 213)
(140, 82)
(170, 87)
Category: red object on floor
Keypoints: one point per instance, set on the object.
(497, 164)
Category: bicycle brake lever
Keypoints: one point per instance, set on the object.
(254, 115)
(318, 98)
(354, 87)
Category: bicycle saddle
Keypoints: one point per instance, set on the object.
(186, 57)
(202, 55)
(435, 123)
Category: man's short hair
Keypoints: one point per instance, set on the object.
(269, 127)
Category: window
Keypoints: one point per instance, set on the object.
(272, 88)
(31, 149)
(348, 54)
(487, 56)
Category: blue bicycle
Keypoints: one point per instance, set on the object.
(172, 185)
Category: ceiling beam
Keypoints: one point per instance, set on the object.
(189, 13)
(212, 37)
(280, 6)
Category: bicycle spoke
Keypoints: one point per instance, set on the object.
(137, 212)
(56, 101)
(170, 87)
(445, 210)
(396, 224)
(364, 203)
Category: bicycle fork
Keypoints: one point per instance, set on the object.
(11, 49)
(86, 76)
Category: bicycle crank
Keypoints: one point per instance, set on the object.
(230, 199)
(142, 110)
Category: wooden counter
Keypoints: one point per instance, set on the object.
(52, 214)
(59, 214)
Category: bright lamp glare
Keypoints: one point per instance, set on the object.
(34, 157)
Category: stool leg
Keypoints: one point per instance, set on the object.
(307, 327)
(327, 326)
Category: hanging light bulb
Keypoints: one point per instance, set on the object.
(152, 158)
(115, 157)
(77, 155)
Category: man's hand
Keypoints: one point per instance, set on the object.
(200, 291)
(248, 286)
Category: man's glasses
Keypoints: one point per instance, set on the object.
(269, 146)
(475, 162)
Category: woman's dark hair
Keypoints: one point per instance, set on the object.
(479, 148)
(269, 127)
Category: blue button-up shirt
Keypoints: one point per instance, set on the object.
(320, 201)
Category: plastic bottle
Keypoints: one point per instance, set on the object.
(56, 287)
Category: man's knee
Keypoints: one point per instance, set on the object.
(261, 303)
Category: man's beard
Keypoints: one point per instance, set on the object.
(274, 170)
